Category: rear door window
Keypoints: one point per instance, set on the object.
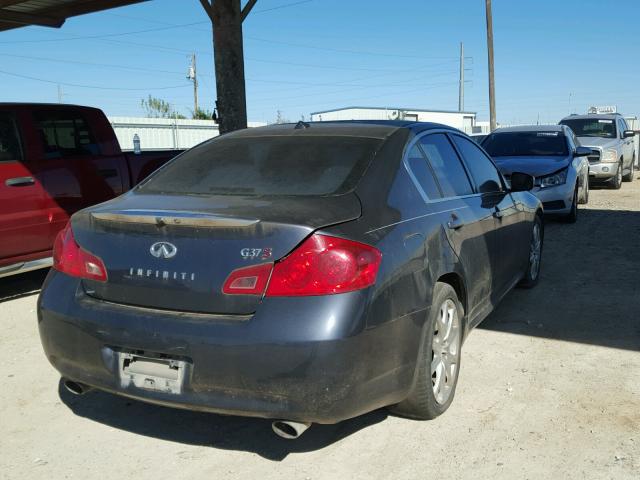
(446, 165)
(10, 148)
(482, 169)
(65, 135)
(297, 165)
(422, 173)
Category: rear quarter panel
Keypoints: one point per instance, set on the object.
(408, 232)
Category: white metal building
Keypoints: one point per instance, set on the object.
(164, 133)
(464, 121)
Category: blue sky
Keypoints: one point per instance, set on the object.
(552, 57)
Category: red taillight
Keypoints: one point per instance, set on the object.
(324, 265)
(248, 280)
(69, 258)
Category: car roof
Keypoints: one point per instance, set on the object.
(602, 116)
(531, 128)
(44, 105)
(356, 128)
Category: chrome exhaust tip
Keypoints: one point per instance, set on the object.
(76, 388)
(289, 430)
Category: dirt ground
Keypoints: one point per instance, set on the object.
(549, 388)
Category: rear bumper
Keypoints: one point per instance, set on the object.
(307, 359)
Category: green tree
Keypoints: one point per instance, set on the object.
(202, 114)
(158, 108)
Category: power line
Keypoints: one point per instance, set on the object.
(286, 5)
(355, 87)
(106, 35)
(160, 22)
(78, 62)
(370, 97)
(258, 39)
(89, 86)
(253, 59)
(340, 50)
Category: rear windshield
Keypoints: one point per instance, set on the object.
(268, 165)
(525, 144)
(592, 127)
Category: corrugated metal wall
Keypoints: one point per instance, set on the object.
(164, 133)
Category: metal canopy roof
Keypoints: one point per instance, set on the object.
(50, 13)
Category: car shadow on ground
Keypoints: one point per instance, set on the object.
(589, 289)
(207, 429)
(21, 285)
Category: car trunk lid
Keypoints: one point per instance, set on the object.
(174, 252)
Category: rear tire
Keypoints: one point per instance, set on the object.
(439, 362)
(532, 274)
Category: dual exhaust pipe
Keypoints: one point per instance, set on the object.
(283, 428)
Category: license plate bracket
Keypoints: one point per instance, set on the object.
(155, 374)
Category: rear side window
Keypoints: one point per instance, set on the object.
(268, 165)
(9, 139)
(482, 170)
(65, 135)
(446, 165)
(422, 173)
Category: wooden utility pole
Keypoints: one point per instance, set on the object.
(226, 20)
(193, 76)
(461, 86)
(492, 86)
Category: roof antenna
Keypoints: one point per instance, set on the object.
(300, 125)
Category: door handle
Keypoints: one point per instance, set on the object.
(455, 222)
(497, 213)
(20, 182)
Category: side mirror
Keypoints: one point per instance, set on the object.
(628, 133)
(582, 152)
(521, 182)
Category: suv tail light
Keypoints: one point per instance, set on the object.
(69, 258)
(324, 265)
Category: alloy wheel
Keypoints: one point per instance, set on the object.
(445, 348)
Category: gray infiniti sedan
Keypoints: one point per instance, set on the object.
(553, 155)
(304, 273)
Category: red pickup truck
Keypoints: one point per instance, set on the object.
(55, 160)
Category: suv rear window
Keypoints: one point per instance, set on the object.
(267, 165)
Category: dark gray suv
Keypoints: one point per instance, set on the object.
(309, 273)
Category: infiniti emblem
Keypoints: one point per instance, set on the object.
(163, 250)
